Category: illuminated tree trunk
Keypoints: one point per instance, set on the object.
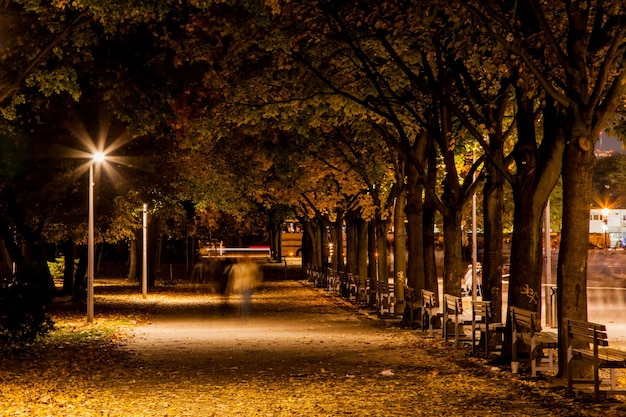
(415, 236)
(578, 165)
(399, 251)
(134, 271)
(362, 254)
(352, 242)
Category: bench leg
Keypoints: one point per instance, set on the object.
(596, 382)
(613, 388)
(568, 368)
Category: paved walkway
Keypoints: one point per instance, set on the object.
(303, 352)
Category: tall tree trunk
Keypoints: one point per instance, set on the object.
(68, 271)
(352, 237)
(275, 238)
(134, 271)
(362, 254)
(538, 171)
(382, 249)
(578, 165)
(415, 237)
(526, 253)
(323, 242)
(339, 254)
(452, 252)
(154, 248)
(79, 294)
(429, 209)
(311, 245)
(493, 207)
(399, 250)
(372, 258)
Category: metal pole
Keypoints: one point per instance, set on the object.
(548, 259)
(474, 251)
(90, 250)
(474, 242)
(144, 273)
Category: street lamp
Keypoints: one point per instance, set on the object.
(96, 158)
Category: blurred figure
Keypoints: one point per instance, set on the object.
(467, 285)
(244, 276)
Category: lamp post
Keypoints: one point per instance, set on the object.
(96, 158)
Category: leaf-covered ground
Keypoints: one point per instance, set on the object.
(186, 351)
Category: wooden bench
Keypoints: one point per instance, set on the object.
(412, 303)
(361, 289)
(370, 292)
(385, 298)
(526, 328)
(453, 313)
(482, 315)
(588, 342)
(352, 290)
(430, 310)
(329, 281)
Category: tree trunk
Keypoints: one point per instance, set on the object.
(154, 248)
(134, 272)
(526, 253)
(382, 249)
(352, 237)
(362, 254)
(428, 224)
(339, 255)
(415, 237)
(452, 252)
(79, 295)
(312, 245)
(323, 242)
(68, 271)
(578, 165)
(372, 258)
(493, 207)
(275, 239)
(399, 251)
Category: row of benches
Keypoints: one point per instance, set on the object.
(586, 342)
(377, 294)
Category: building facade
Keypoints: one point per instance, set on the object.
(607, 228)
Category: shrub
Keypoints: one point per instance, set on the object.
(22, 312)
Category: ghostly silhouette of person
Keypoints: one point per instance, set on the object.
(244, 277)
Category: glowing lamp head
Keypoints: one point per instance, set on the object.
(98, 157)
(605, 212)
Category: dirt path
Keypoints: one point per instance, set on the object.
(304, 352)
(301, 352)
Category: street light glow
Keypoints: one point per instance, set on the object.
(98, 157)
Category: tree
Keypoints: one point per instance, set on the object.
(581, 70)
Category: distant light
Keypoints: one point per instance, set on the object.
(98, 157)
(605, 211)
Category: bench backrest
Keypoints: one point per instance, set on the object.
(384, 287)
(452, 304)
(586, 332)
(524, 320)
(410, 295)
(481, 311)
(428, 299)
